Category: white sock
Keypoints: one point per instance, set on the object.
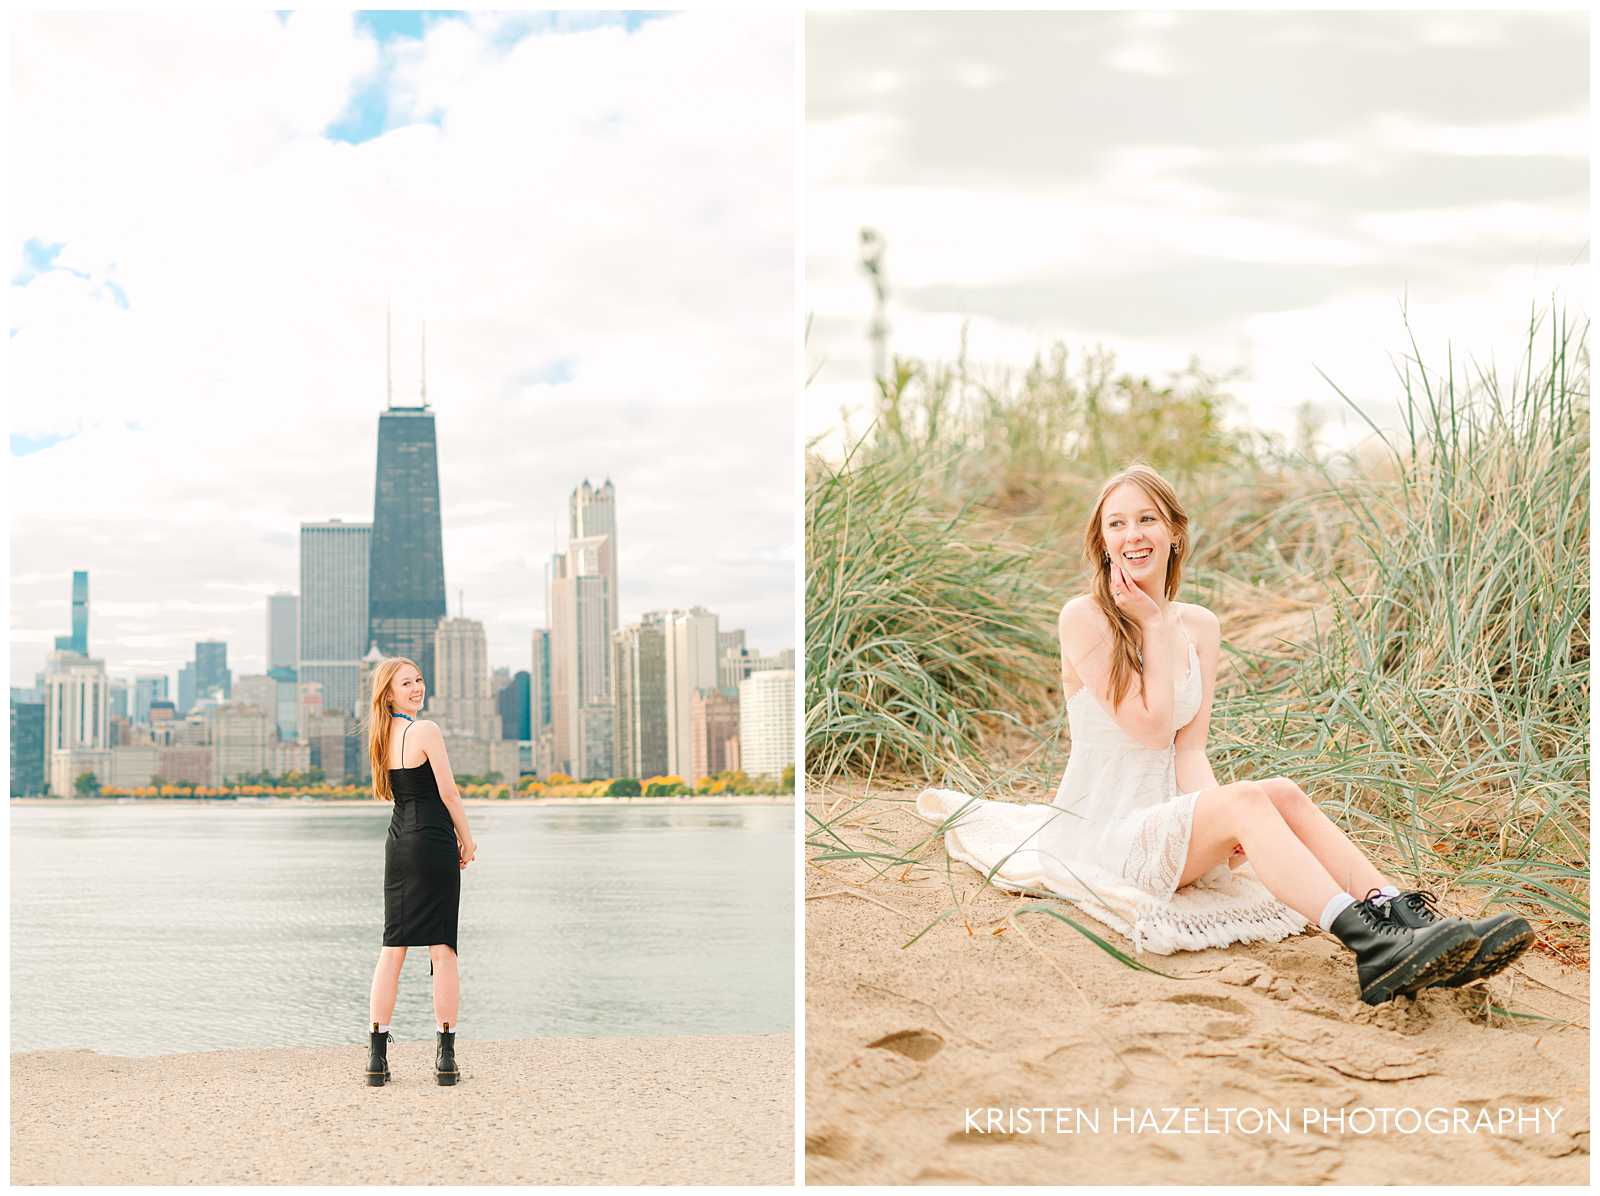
(1337, 904)
(383, 1029)
(1386, 894)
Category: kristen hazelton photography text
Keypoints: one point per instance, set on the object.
(1191, 737)
(1248, 1119)
(418, 751)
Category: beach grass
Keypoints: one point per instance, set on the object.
(920, 627)
(1405, 625)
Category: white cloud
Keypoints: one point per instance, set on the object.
(1561, 133)
(1143, 58)
(614, 206)
(1533, 224)
(974, 75)
(1269, 219)
(850, 149)
(979, 236)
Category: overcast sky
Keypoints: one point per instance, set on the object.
(209, 213)
(1259, 190)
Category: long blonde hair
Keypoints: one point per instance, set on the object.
(1126, 659)
(380, 723)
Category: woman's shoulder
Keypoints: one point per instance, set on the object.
(1081, 606)
(1199, 621)
(428, 729)
(1081, 612)
(1083, 624)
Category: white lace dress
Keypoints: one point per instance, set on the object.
(1115, 840)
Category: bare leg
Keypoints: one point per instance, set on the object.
(446, 983)
(1242, 813)
(1332, 847)
(386, 984)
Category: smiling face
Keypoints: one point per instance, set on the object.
(1135, 533)
(406, 691)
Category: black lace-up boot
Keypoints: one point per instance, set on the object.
(378, 1060)
(1392, 959)
(1504, 936)
(444, 1061)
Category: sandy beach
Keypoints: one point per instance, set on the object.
(990, 1012)
(681, 1110)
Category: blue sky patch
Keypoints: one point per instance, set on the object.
(39, 258)
(411, 23)
(367, 114)
(555, 372)
(524, 24)
(21, 446)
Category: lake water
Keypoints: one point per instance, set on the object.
(141, 929)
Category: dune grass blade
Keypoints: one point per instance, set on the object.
(1060, 915)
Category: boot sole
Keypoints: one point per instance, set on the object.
(447, 1078)
(1498, 952)
(377, 1079)
(1439, 958)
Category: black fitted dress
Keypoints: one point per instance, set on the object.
(421, 863)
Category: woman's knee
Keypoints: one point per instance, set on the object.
(1248, 801)
(1289, 798)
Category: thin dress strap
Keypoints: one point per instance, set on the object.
(403, 745)
(1185, 631)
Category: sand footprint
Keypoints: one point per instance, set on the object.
(888, 1062)
(986, 1138)
(1239, 1019)
(1225, 1004)
(919, 1045)
(828, 1143)
(945, 1175)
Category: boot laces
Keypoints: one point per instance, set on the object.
(1420, 900)
(1375, 917)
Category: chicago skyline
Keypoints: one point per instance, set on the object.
(226, 400)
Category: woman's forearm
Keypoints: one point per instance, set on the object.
(1159, 678)
(458, 813)
(1194, 771)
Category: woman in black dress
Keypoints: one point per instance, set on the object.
(428, 846)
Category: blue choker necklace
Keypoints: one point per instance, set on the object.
(407, 717)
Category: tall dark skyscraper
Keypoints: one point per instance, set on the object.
(27, 744)
(78, 641)
(513, 704)
(211, 669)
(405, 588)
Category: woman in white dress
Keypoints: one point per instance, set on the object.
(1143, 837)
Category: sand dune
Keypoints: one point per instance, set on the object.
(986, 1012)
(682, 1110)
